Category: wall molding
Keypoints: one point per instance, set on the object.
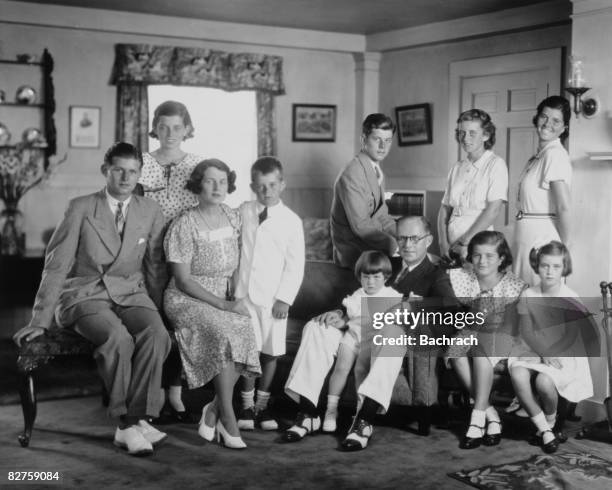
(99, 20)
(591, 7)
(553, 12)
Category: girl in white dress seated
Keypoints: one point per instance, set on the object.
(550, 356)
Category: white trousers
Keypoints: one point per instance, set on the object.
(385, 365)
(314, 359)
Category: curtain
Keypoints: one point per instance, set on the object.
(139, 65)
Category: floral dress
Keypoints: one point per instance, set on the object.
(209, 339)
(496, 336)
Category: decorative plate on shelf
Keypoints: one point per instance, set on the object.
(5, 135)
(25, 95)
(34, 137)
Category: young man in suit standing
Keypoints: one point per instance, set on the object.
(359, 216)
(104, 274)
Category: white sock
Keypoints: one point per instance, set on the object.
(477, 424)
(332, 403)
(174, 398)
(248, 398)
(262, 400)
(492, 416)
(539, 420)
(551, 418)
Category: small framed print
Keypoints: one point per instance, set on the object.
(413, 124)
(314, 122)
(85, 126)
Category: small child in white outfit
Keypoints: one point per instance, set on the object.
(309, 370)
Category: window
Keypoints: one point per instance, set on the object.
(225, 128)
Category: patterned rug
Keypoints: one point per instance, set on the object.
(573, 470)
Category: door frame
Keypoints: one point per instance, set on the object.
(497, 65)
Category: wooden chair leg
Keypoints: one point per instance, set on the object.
(27, 392)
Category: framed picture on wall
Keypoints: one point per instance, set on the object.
(84, 126)
(314, 122)
(413, 124)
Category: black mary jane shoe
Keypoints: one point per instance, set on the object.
(358, 436)
(536, 440)
(551, 446)
(472, 442)
(492, 439)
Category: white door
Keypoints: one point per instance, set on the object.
(509, 88)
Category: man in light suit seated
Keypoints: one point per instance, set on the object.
(104, 277)
(360, 219)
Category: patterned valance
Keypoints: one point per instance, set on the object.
(142, 64)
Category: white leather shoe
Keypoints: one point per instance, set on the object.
(150, 433)
(132, 440)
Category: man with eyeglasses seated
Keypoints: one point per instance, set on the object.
(427, 287)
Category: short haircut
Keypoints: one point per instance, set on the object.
(490, 237)
(372, 262)
(551, 248)
(424, 221)
(485, 123)
(377, 121)
(194, 183)
(266, 165)
(171, 108)
(121, 149)
(561, 104)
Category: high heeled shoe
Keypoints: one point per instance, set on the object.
(204, 430)
(224, 437)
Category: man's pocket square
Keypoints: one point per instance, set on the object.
(141, 241)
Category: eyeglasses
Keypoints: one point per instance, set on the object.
(554, 122)
(414, 239)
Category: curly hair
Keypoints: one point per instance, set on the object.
(194, 183)
(561, 104)
(485, 123)
(171, 108)
(490, 237)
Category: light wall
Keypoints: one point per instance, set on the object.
(84, 55)
(421, 75)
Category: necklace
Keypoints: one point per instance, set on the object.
(214, 223)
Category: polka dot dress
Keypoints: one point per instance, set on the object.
(166, 183)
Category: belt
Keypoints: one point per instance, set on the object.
(521, 215)
(459, 211)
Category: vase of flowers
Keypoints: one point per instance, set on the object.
(22, 167)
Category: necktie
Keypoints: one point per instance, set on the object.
(379, 174)
(263, 215)
(119, 219)
(401, 275)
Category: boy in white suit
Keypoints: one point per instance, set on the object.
(270, 275)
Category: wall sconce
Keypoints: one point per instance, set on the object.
(576, 85)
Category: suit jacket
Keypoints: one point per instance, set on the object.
(86, 259)
(421, 371)
(359, 216)
(272, 256)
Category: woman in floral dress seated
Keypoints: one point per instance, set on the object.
(214, 334)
